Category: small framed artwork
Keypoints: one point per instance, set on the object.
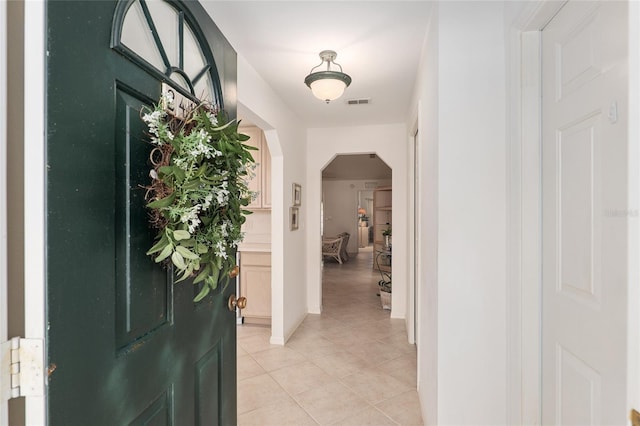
(297, 195)
(294, 218)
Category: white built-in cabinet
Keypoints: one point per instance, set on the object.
(261, 183)
(255, 266)
(255, 285)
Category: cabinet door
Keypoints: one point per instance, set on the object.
(256, 287)
(255, 284)
(255, 184)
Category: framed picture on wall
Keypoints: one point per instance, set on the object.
(294, 218)
(297, 195)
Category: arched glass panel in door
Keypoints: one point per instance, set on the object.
(162, 37)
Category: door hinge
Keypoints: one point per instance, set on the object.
(21, 368)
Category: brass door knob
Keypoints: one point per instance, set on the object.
(234, 272)
(240, 302)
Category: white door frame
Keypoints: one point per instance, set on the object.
(34, 186)
(633, 273)
(524, 215)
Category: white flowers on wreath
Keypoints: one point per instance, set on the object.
(198, 191)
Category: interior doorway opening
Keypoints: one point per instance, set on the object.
(365, 221)
(348, 185)
(356, 221)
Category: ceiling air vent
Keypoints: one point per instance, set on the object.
(363, 101)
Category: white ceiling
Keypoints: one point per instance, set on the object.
(378, 45)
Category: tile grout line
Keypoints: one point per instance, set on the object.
(354, 323)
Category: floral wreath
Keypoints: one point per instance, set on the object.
(198, 190)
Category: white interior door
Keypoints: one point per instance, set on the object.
(585, 211)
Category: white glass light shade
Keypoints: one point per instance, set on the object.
(327, 85)
(328, 89)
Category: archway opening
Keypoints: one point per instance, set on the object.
(356, 214)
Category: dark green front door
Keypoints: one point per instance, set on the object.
(125, 345)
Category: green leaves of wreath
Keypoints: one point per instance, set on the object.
(197, 193)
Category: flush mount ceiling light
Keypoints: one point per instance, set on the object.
(327, 85)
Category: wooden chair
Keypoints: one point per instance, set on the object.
(331, 247)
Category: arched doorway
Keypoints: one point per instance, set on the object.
(348, 184)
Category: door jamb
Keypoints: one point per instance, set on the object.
(34, 185)
(633, 272)
(524, 349)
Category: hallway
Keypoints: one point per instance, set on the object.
(351, 365)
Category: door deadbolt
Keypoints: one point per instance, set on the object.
(234, 272)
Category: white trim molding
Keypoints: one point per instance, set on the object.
(633, 252)
(525, 231)
(34, 185)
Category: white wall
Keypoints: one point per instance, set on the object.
(472, 215)
(426, 109)
(464, 216)
(285, 136)
(390, 143)
(341, 208)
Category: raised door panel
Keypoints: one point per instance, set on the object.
(143, 290)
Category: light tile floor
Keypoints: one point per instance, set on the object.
(351, 365)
